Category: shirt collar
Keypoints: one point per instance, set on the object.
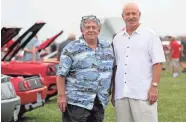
(100, 42)
(137, 31)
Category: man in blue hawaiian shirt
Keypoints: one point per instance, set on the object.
(84, 75)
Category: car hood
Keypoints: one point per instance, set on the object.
(22, 41)
(46, 43)
(7, 34)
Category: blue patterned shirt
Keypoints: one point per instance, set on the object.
(88, 72)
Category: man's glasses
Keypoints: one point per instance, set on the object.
(90, 17)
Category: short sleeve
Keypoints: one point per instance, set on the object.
(65, 62)
(156, 50)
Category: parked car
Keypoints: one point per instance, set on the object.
(31, 91)
(29, 87)
(46, 70)
(10, 102)
(52, 57)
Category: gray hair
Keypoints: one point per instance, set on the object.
(90, 17)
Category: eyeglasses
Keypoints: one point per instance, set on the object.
(90, 17)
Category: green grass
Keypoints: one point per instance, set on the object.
(171, 104)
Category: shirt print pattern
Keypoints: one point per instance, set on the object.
(88, 72)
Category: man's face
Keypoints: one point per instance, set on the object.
(131, 16)
(90, 30)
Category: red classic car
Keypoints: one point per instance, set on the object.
(31, 90)
(29, 87)
(46, 70)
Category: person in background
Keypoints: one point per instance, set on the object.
(139, 54)
(174, 56)
(53, 47)
(70, 38)
(183, 54)
(30, 51)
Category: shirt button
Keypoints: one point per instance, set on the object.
(125, 82)
(129, 37)
(126, 56)
(127, 47)
(125, 64)
(125, 73)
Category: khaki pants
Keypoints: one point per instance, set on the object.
(133, 110)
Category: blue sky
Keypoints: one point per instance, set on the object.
(163, 16)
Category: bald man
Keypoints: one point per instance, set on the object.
(139, 54)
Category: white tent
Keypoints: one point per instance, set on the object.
(111, 26)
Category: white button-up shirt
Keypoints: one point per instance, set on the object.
(135, 57)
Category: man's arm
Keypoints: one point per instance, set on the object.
(34, 53)
(27, 50)
(64, 66)
(61, 85)
(157, 68)
(157, 55)
(61, 93)
(153, 91)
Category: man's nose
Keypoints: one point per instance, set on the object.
(90, 29)
(131, 16)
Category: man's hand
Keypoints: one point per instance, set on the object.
(153, 94)
(62, 103)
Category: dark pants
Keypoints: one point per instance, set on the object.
(78, 114)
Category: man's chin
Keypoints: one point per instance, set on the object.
(132, 24)
(92, 37)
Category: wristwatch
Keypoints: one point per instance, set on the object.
(155, 84)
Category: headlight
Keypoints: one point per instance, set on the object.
(7, 91)
(12, 90)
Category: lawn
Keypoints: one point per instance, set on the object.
(171, 104)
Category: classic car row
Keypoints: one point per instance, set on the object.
(25, 85)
